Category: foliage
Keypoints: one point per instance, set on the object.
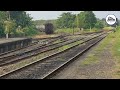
(19, 31)
(17, 23)
(99, 24)
(9, 26)
(21, 18)
(81, 20)
(30, 31)
(65, 20)
(89, 19)
(85, 19)
(67, 30)
(2, 18)
(108, 28)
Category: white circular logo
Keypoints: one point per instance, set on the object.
(111, 19)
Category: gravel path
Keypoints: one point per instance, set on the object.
(100, 70)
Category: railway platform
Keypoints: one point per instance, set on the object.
(13, 43)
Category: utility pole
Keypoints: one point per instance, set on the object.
(73, 28)
(7, 34)
(8, 15)
(77, 21)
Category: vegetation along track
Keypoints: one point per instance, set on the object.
(34, 43)
(37, 43)
(47, 65)
(48, 40)
(36, 46)
(27, 53)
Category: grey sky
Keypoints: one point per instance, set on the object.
(46, 15)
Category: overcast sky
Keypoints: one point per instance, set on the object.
(47, 15)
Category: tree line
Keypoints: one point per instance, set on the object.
(16, 23)
(85, 19)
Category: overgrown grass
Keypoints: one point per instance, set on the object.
(113, 39)
(42, 55)
(57, 41)
(69, 45)
(108, 28)
(116, 43)
(91, 59)
(94, 58)
(76, 30)
(67, 30)
(115, 51)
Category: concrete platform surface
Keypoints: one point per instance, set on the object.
(4, 40)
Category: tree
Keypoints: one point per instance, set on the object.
(104, 22)
(21, 18)
(30, 30)
(81, 19)
(19, 31)
(11, 20)
(9, 26)
(90, 19)
(3, 16)
(99, 24)
(87, 19)
(66, 20)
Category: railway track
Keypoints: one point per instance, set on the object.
(47, 64)
(14, 57)
(70, 60)
(17, 57)
(35, 43)
(30, 47)
(49, 40)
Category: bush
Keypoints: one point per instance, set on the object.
(30, 31)
(49, 28)
(108, 28)
(26, 31)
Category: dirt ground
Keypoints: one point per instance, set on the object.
(102, 69)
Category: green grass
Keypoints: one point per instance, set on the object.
(116, 44)
(115, 51)
(108, 28)
(57, 41)
(94, 58)
(68, 46)
(76, 30)
(67, 30)
(91, 59)
(113, 39)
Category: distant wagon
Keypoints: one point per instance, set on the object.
(49, 28)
